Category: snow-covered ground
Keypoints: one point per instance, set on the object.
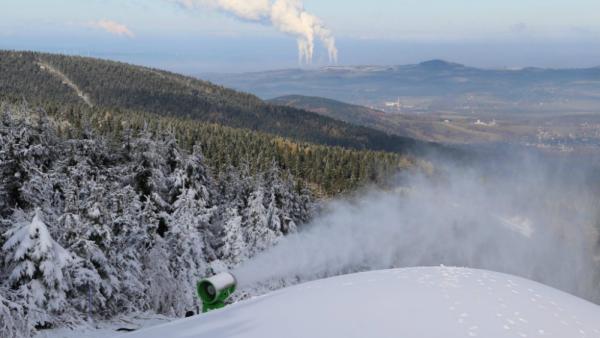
(107, 329)
(411, 302)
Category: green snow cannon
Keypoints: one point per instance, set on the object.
(215, 290)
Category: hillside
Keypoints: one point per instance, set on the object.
(413, 302)
(351, 113)
(41, 78)
(131, 208)
(131, 220)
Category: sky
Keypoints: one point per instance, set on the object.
(200, 36)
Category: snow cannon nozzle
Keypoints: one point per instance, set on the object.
(215, 290)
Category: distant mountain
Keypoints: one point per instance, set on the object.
(440, 65)
(434, 86)
(42, 78)
(338, 110)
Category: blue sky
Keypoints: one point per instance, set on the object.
(487, 33)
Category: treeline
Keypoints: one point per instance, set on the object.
(114, 85)
(325, 170)
(101, 226)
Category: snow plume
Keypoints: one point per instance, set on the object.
(288, 16)
(534, 219)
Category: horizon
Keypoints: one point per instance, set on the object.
(132, 61)
(201, 36)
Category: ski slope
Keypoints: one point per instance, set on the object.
(413, 302)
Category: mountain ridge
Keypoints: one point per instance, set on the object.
(116, 85)
(431, 63)
(435, 87)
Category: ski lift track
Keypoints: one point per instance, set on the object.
(65, 79)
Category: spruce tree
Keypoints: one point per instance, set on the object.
(35, 265)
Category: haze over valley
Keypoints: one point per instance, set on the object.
(446, 102)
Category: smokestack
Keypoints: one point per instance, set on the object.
(288, 16)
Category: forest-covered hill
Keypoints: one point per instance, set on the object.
(40, 78)
(129, 209)
(338, 110)
(121, 186)
(103, 226)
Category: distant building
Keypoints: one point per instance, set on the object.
(394, 104)
(488, 124)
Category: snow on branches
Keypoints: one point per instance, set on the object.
(100, 228)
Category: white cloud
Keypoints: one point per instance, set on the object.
(112, 27)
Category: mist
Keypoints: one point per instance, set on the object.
(529, 215)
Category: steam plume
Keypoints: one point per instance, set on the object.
(288, 16)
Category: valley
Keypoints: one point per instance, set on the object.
(439, 101)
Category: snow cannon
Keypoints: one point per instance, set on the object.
(215, 290)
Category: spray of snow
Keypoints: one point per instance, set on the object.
(288, 16)
(534, 220)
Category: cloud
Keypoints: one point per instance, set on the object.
(112, 27)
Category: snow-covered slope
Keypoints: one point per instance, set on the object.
(413, 302)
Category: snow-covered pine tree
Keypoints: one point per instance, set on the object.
(90, 273)
(231, 247)
(8, 181)
(87, 188)
(21, 152)
(160, 286)
(227, 236)
(150, 170)
(275, 189)
(188, 224)
(257, 234)
(288, 206)
(14, 322)
(130, 243)
(143, 223)
(35, 264)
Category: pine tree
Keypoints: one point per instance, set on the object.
(130, 243)
(143, 217)
(257, 234)
(14, 322)
(188, 224)
(35, 263)
(231, 248)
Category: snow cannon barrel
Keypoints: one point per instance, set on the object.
(215, 290)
